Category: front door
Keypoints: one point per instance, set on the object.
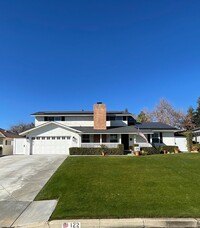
(125, 141)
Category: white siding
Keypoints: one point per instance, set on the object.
(71, 121)
(168, 138)
(181, 142)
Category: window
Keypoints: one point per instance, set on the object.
(68, 137)
(33, 138)
(57, 118)
(48, 138)
(8, 143)
(155, 138)
(113, 138)
(43, 138)
(85, 138)
(58, 138)
(63, 138)
(38, 138)
(53, 138)
(54, 118)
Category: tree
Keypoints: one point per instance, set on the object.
(21, 127)
(164, 112)
(189, 121)
(197, 114)
(142, 117)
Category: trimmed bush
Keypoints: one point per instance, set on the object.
(96, 151)
(149, 150)
(168, 148)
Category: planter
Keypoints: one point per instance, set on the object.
(137, 153)
(176, 151)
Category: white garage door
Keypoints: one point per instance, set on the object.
(51, 145)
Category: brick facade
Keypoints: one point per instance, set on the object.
(100, 116)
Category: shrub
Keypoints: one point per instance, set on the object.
(96, 151)
(189, 137)
(149, 150)
(168, 148)
(195, 147)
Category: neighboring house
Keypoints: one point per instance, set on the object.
(6, 141)
(56, 132)
(196, 133)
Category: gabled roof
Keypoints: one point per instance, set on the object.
(8, 134)
(155, 126)
(48, 123)
(50, 113)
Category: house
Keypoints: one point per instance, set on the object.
(196, 133)
(55, 132)
(6, 141)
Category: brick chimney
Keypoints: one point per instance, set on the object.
(99, 116)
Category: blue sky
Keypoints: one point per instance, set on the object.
(67, 55)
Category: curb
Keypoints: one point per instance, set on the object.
(119, 223)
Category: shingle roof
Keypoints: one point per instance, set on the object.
(155, 125)
(115, 130)
(145, 128)
(76, 113)
(8, 134)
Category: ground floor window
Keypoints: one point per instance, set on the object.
(113, 138)
(155, 138)
(85, 138)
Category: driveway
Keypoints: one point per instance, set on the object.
(21, 179)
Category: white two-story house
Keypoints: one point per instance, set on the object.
(55, 132)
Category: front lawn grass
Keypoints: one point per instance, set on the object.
(116, 187)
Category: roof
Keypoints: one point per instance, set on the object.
(48, 123)
(114, 130)
(43, 113)
(196, 129)
(8, 134)
(155, 126)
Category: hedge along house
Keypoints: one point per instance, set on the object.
(55, 132)
(6, 141)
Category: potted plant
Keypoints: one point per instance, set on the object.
(176, 150)
(137, 153)
(103, 150)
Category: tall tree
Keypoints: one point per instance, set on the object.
(142, 117)
(21, 127)
(164, 112)
(189, 121)
(197, 113)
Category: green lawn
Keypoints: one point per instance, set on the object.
(112, 187)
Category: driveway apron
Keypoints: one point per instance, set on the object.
(21, 179)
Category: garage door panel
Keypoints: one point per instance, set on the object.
(51, 145)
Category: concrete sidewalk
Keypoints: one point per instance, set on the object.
(120, 223)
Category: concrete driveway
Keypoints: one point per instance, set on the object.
(21, 179)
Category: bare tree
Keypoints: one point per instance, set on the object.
(189, 121)
(164, 112)
(21, 127)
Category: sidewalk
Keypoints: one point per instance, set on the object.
(119, 223)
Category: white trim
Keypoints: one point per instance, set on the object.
(50, 122)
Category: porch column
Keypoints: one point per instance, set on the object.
(120, 139)
(100, 138)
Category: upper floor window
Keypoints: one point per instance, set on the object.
(111, 118)
(54, 118)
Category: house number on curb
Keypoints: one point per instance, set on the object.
(71, 225)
